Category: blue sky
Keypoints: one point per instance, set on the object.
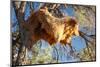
(77, 42)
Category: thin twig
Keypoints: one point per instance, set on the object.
(57, 53)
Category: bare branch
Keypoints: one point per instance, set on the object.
(31, 7)
(86, 40)
(22, 6)
(16, 4)
(57, 53)
(82, 34)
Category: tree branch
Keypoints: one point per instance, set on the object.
(19, 11)
(86, 40)
(57, 53)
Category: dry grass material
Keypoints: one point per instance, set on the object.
(43, 25)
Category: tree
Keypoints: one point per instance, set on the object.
(49, 23)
